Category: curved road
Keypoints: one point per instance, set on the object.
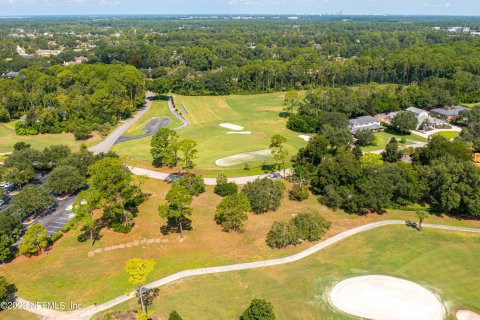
(88, 312)
(110, 140)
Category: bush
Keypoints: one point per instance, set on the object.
(365, 138)
(259, 310)
(282, 235)
(226, 189)
(81, 133)
(310, 225)
(264, 194)
(298, 193)
(195, 185)
(232, 212)
(174, 316)
(55, 237)
(21, 145)
(222, 179)
(302, 123)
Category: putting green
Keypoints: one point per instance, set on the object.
(257, 114)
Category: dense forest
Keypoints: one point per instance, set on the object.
(353, 65)
(76, 99)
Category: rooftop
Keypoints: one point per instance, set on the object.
(415, 110)
(363, 120)
(449, 112)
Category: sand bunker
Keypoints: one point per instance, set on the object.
(239, 132)
(231, 126)
(244, 157)
(467, 315)
(304, 137)
(386, 298)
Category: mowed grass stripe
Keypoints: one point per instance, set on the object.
(300, 290)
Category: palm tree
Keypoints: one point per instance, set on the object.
(421, 215)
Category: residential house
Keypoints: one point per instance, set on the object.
(423, 118)
(448, 113)
(364, 123)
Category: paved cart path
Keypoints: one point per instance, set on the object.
(88, 312)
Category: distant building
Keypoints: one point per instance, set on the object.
(423, 118)
(364, 123)
(448, 113)
(76, 60)
(459, 29)
(48, 53)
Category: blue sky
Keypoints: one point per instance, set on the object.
(429, 7)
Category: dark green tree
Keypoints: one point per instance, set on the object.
(404, 122)
(264, 194)
(259, 310)
(232, 212)
(392, 152)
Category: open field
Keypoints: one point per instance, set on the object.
(300, 290)
(448, 134)
(470, 105)
(68, 274)
(8, 138)
(159, 109)
(256, 113)
(382, 139)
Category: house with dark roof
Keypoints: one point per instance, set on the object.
(364, 123)
(448, 113)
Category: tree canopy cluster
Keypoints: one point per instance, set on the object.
(441, 175)
(78, 98)
(308, 225)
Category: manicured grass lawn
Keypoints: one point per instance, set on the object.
(8, 138)
(444, 262)
(470, 105)
(382, 139)
(158, 109)
(448, 134)
(68, 274)
(17, 315)
(257, 113)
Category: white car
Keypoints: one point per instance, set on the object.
(5, 184)
(2, 202)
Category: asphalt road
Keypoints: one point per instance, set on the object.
(110, 140)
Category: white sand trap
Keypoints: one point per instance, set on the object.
(467, 315)
(231, 126)
(386, 298)
(244, 157)
(239, 132)
(304, 137)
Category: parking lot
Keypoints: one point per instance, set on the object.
(55, 221)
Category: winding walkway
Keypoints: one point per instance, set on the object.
(88, 312)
